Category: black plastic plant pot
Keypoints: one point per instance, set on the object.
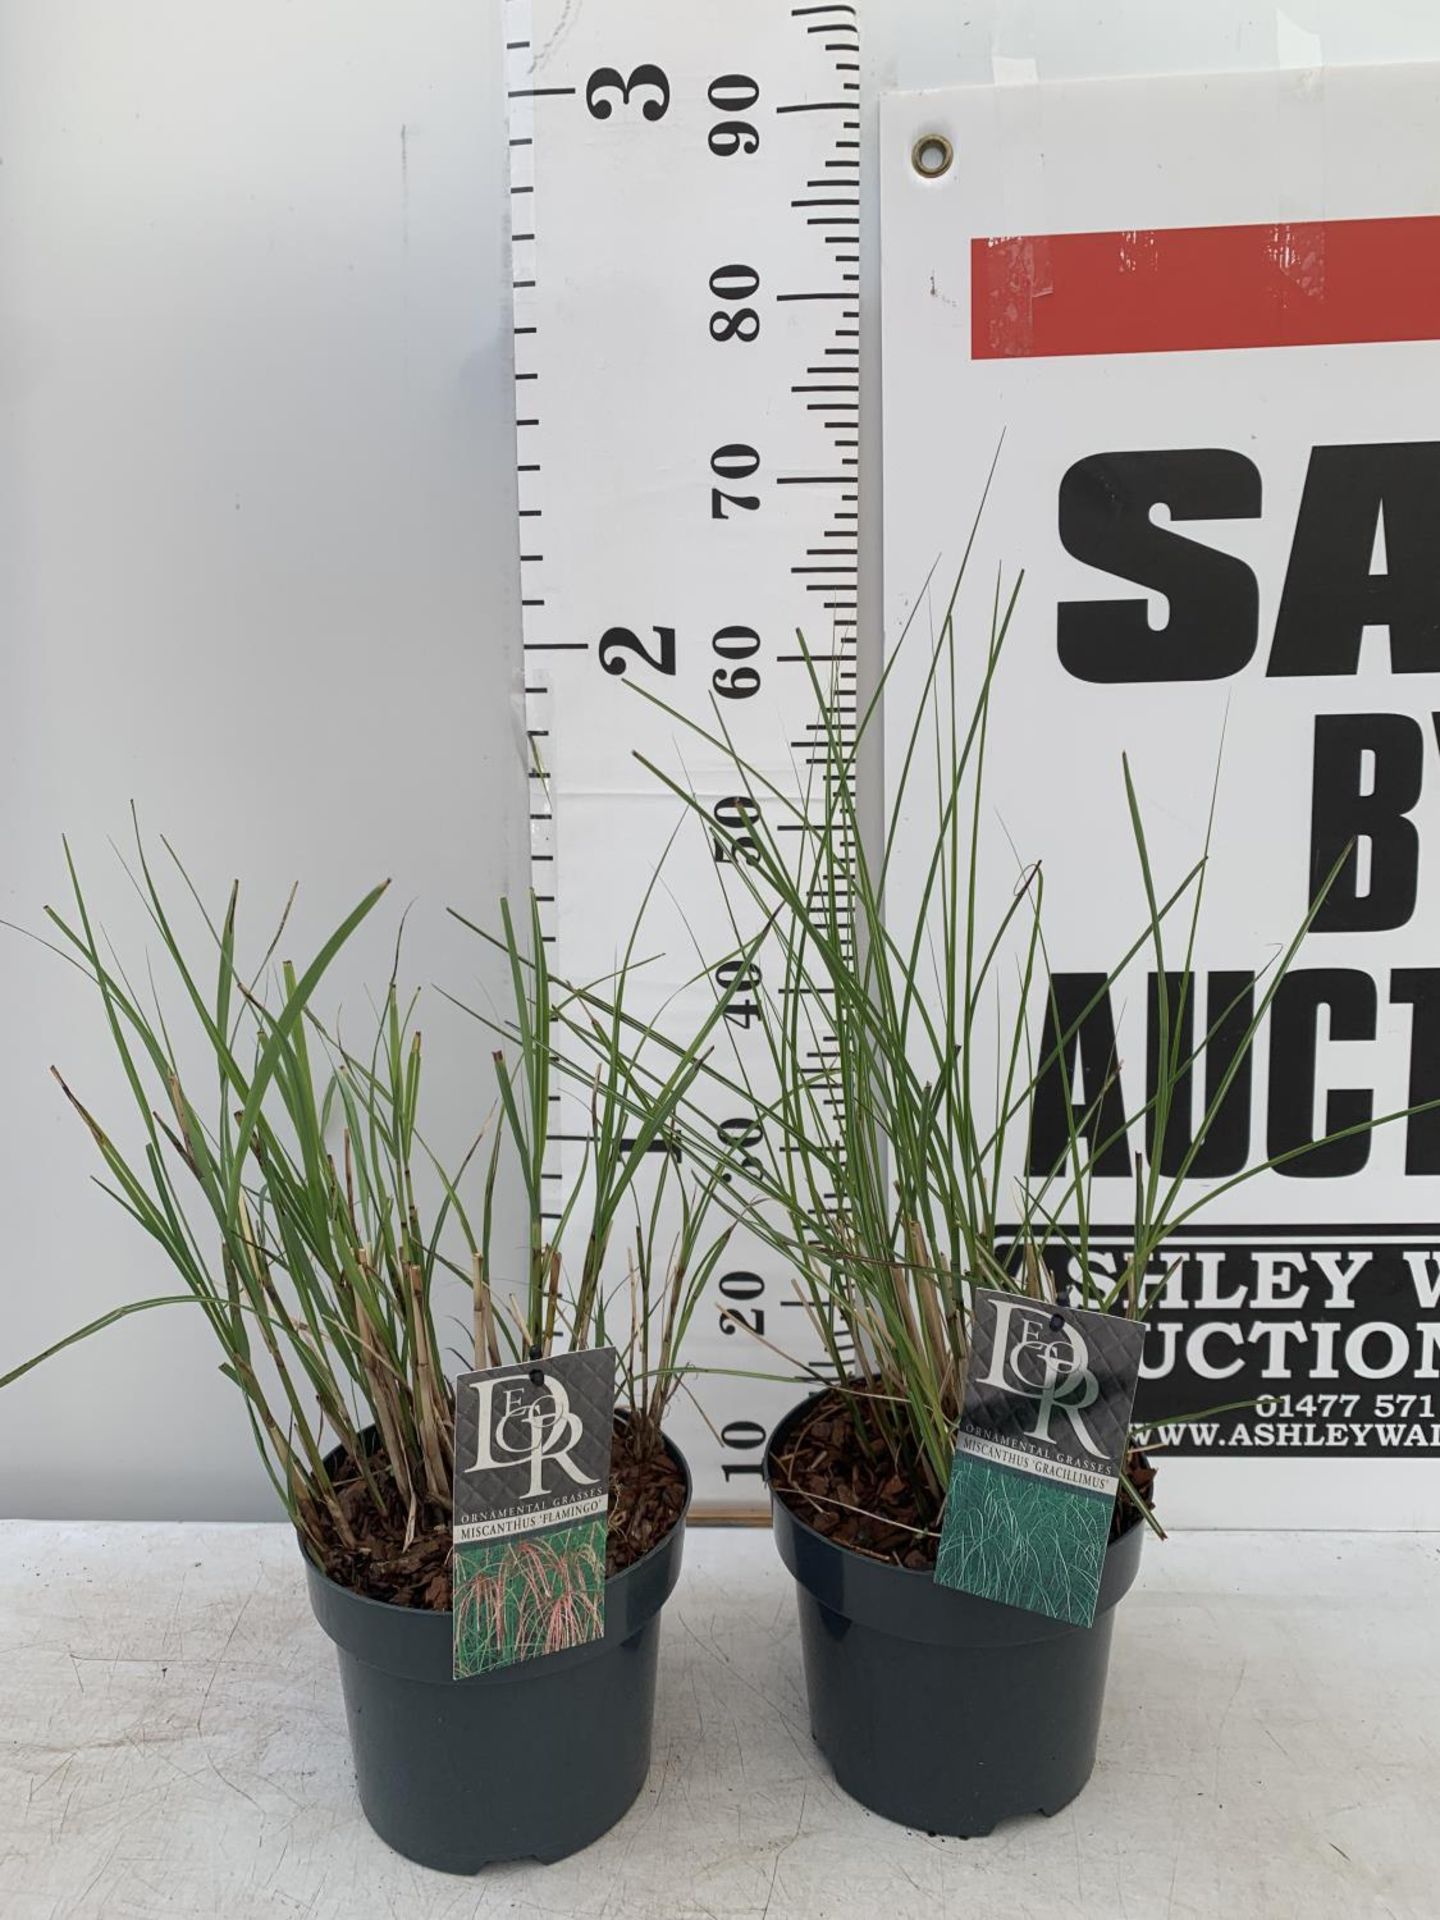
(531, 1762)
(936, 1709)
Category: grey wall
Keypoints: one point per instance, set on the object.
(256, 573)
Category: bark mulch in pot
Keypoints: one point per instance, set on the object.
(647, 1497)
(861, 1498)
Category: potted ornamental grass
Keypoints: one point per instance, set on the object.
(285, 1177)
(956, 1626)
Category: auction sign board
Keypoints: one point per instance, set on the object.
(1194, 325)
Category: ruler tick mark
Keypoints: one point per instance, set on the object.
(537, 93)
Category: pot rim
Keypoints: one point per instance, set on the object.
(925, 1574)
(446, 1613)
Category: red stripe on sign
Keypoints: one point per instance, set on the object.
(1313, 283)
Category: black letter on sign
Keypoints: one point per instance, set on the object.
(1105, 507)
(1368, 770)
(1294, 1018)
(1099, 1113)
(1331, 595)
(1229, 1009)
(1419, 988)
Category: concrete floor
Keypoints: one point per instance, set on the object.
(173, 1743)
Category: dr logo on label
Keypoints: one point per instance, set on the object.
(1049, 1367)
(548, 1429)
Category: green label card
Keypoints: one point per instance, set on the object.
(1038, 1453)
(532, 1487)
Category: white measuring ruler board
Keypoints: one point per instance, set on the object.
(685, 223)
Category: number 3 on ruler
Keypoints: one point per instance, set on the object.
(616, 642)
(611, 80)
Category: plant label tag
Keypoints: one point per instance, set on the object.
(532, 1487)
(1038, 1453)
